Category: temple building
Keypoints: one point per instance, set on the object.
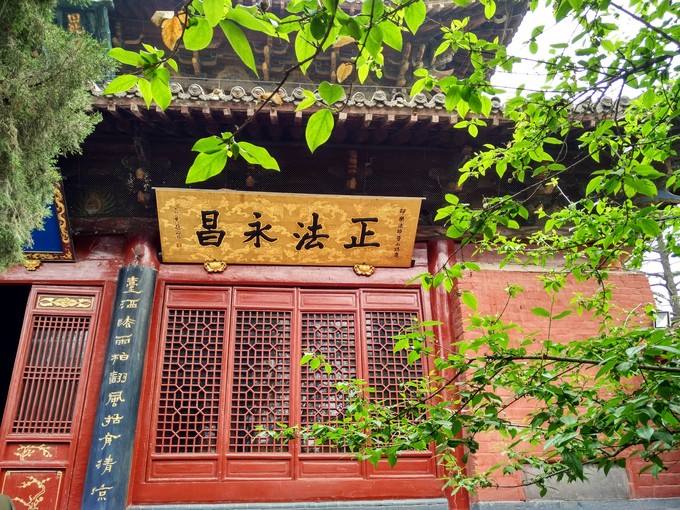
(161, 324)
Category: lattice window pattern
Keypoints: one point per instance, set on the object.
(188, 411)
(387, 370)
(333, 336)
(50, 378)
(261, 382)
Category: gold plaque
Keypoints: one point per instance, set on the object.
(240, 227)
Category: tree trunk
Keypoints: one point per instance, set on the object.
(669, 278)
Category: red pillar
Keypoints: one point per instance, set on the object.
(446, 310)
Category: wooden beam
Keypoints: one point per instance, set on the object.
(404, 134)
(340, 131)
(196, 63)
(382, 132)
(161, 114)
(253, 126)
(209, 121)
(334, 64)
(189, 122)
(112, 110)
(134, 110)
(226, 116)
(274, 125)
(298, 126)
(425, 130)
(401, 77)
(364, 130)
(265, 62)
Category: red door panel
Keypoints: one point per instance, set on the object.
(226, 366)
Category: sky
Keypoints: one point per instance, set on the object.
(532, 75)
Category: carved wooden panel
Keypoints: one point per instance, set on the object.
(333, 336)
(387, 370)
(188, 409)
(261, 380)
(229, 358)
(33, 490)
(51, 374)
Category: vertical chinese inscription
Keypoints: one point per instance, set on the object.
(108, 468)
(399, 232)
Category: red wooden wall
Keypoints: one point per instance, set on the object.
(223, 355)
(225, 359)
(44, 413)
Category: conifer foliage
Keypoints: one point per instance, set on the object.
(44, 72)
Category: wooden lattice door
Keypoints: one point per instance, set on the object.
(226, 364)
(43, 413)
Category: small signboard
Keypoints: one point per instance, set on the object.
(241, 227)
(53, 242)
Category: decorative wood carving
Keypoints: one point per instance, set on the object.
(364, 270)
(73, 302)
(26, 451)
(33, 490)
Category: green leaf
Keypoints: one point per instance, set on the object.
(562, 10)
(486, 105)
(362, 72)
(244, 17)
(463, 108)
(315, 363)
(319, 128)
(501, 167)
(490, 9)
(309, 100)
(646, 187)
(209, 144)
(414, 15)
(214, 11)
(374, 41)
(400, 345)
(318, 25)
(144, 87)
(304, 49)
(392, 35)
(206, 166)
(648, 98)
(647, 171)
(452, 98)
(160, 87)
(649, 226)
(198, 35)
(256, 155)
(128, 57)
(645, 432)
(469, 299)
(540, 311)
(417, 87)
(372, 9)
(331, 93)
(562, 315)
(121, 83)
(239, 42)
(593, 184)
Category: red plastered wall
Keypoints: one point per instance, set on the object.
(630, 290)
